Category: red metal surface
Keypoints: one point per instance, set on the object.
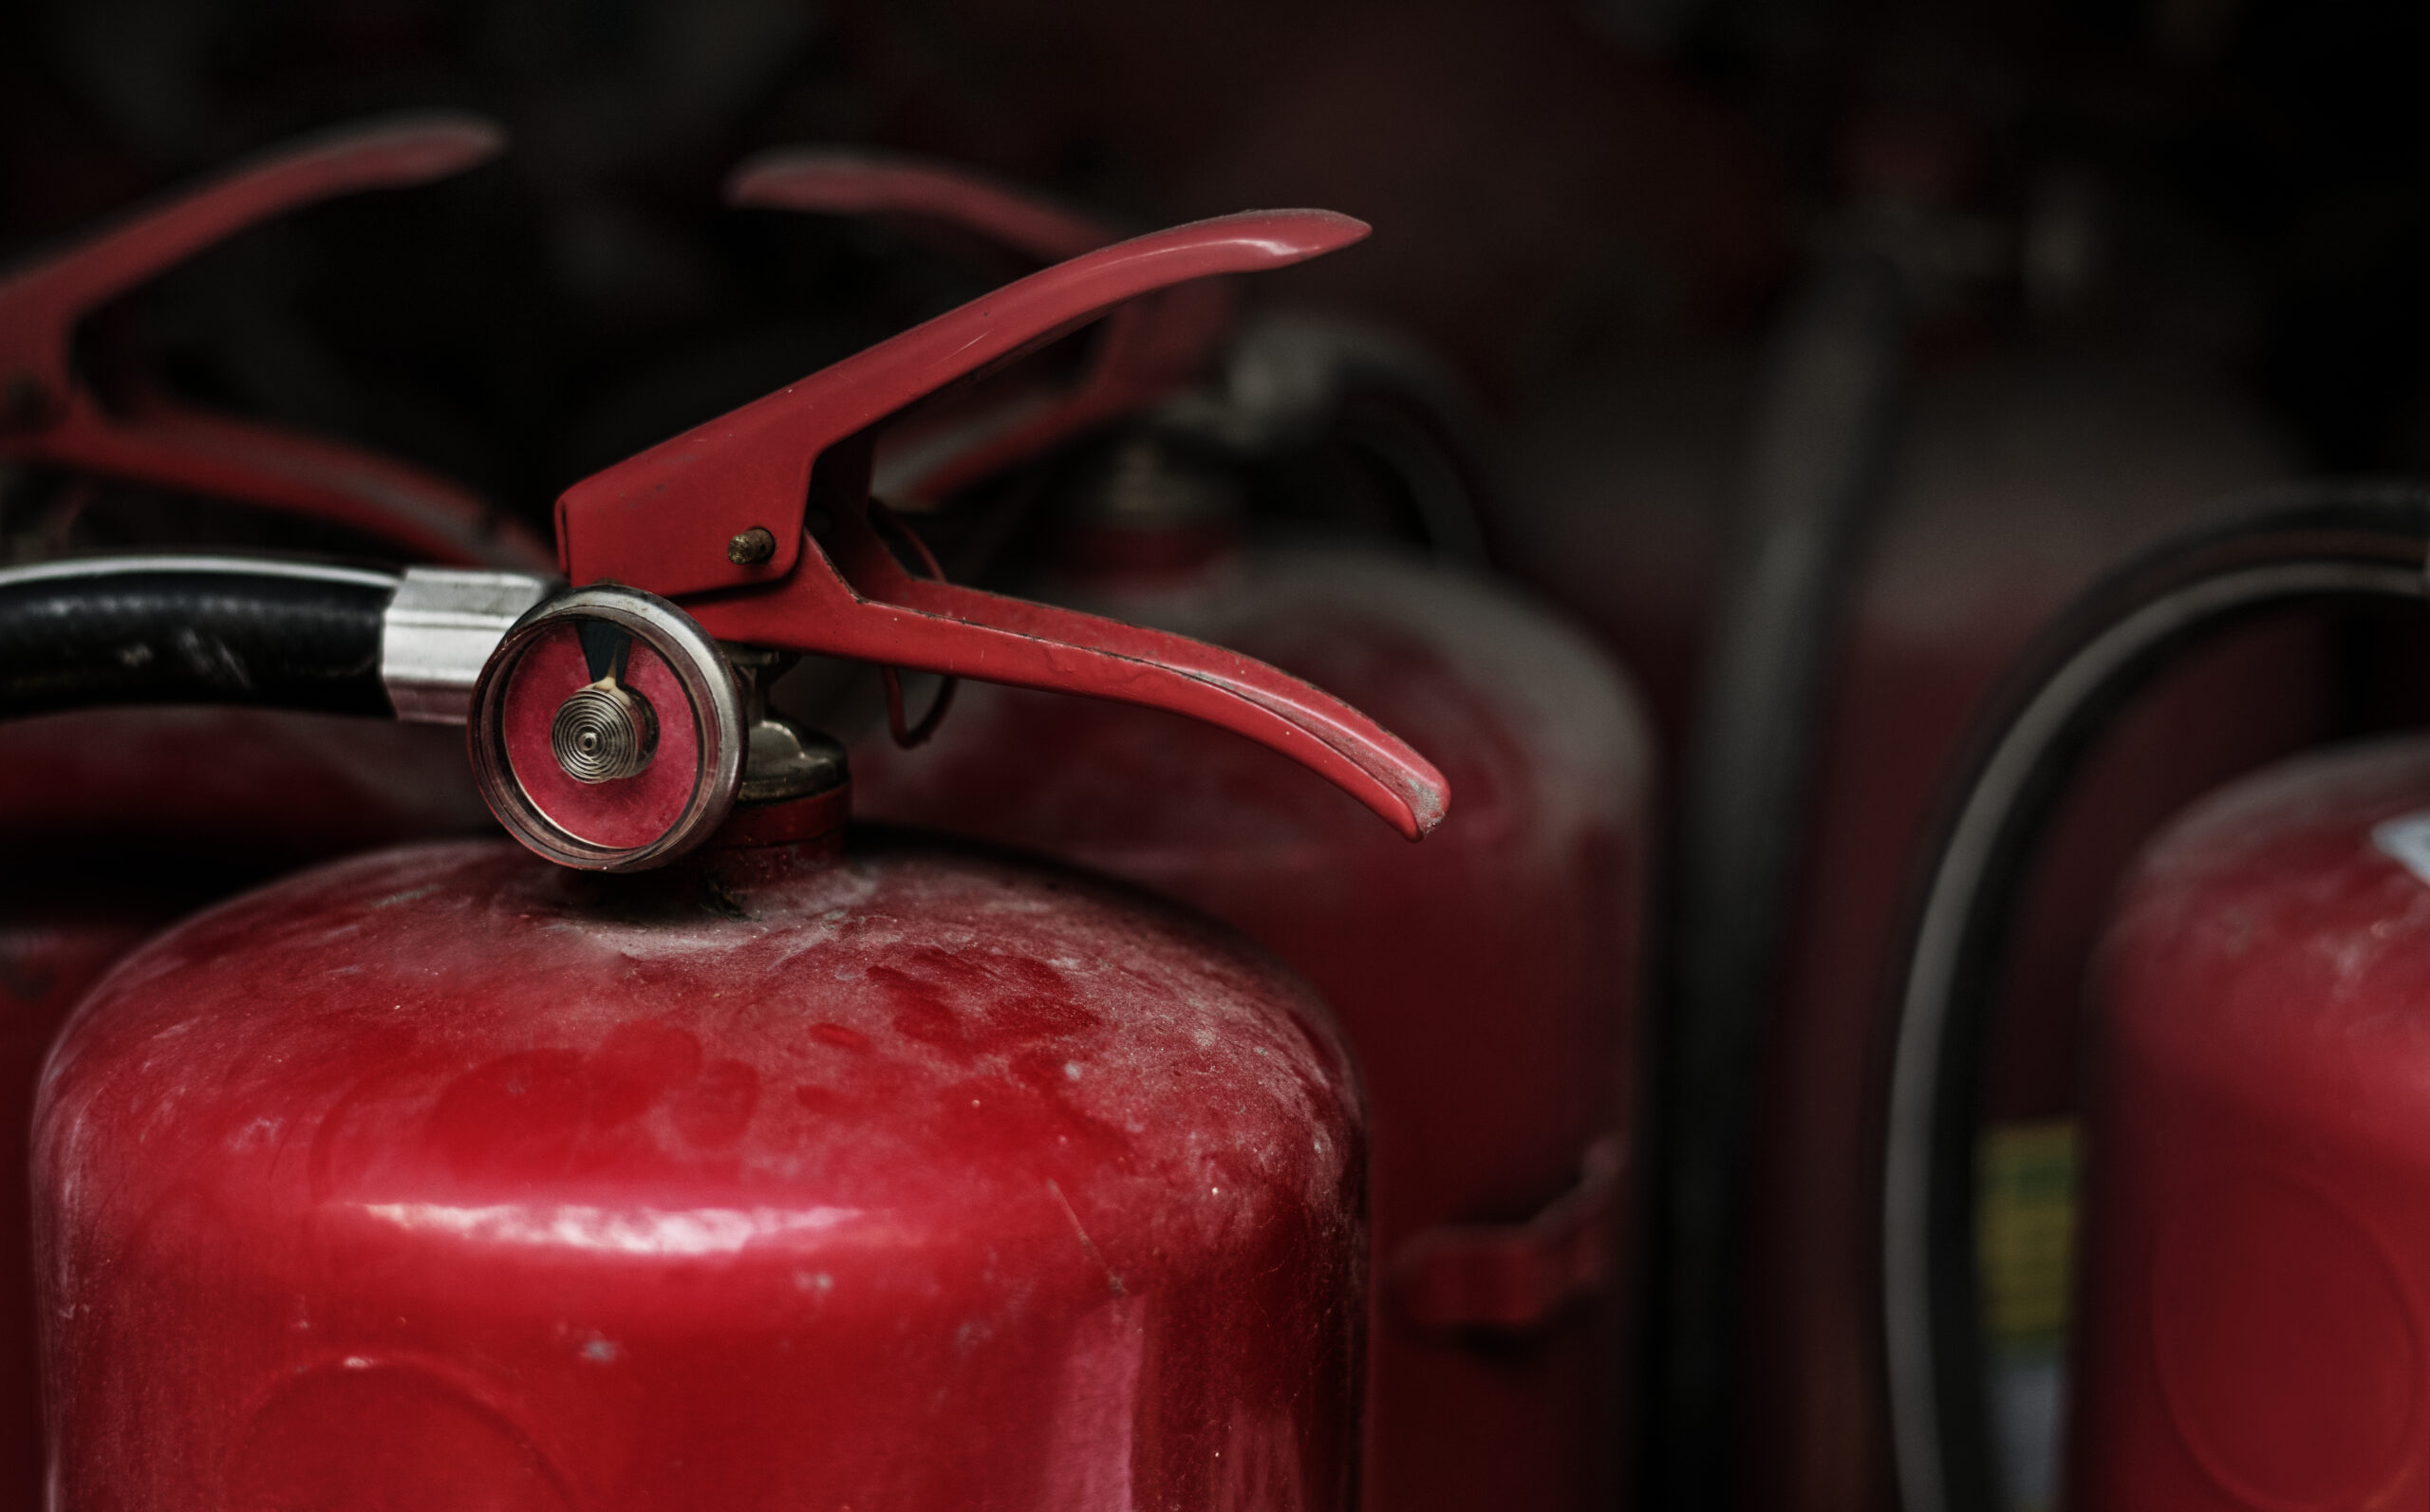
(51, 951)
(2254, 1325)
(1487, 980)
(1145, 350)
(1516, 1277)
(48, 414)
(445, 1178)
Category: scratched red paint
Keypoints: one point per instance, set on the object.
(924, 1182)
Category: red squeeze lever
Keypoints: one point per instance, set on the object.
(48, 415)
(1148, 349)
(715, 519)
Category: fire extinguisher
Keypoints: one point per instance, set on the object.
(2249, 1334)
(1501, 1186)
(730, 1160)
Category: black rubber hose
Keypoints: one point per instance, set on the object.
(1824, 427)
(2336, 543)
(191, 631)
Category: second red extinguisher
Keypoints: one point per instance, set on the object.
(1488, 984)
(2253, 1255)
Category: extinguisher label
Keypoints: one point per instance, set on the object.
(2025, 1238)
(2406, 839)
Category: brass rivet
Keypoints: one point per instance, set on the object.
(752, 546)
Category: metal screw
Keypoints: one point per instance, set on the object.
(752, 546)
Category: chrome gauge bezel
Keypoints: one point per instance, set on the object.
(707, 679)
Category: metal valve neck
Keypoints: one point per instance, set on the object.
(1147, 509)
(796, 783)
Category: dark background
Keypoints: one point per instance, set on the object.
(1548, 182)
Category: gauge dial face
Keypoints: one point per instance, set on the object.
(607, 731)
(620, 813)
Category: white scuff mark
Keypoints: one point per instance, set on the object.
(2406, 840)
(260, 1131)
(1097, 1406)
(624, 1231)
(660, 942)
(1088, 1245)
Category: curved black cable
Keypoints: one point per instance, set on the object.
(2332, 543)
(1826, 423)
(162, 629)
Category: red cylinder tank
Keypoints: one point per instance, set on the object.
(1487, 981)
(442, 1177)
(2252, 1329)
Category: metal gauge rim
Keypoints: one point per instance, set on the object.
(707, 682)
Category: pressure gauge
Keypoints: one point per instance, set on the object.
(607, 730)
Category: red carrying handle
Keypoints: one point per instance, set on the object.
(715, 519)
(1148, 349)
(49, 416)
(857, 181)
(668, 514)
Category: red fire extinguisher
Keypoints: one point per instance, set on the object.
(1499, 1184)
(796, 1166)
(2249, 1330)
